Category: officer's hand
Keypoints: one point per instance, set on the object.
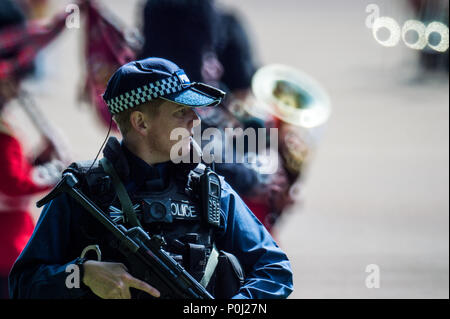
(112, 281)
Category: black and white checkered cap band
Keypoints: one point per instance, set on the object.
(144, 94)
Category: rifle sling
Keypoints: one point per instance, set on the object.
(122, 194)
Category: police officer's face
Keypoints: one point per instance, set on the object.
(171, 116)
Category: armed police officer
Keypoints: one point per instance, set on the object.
(137, 184)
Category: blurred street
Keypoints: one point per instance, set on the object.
(377, 189)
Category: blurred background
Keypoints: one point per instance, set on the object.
(376, 190)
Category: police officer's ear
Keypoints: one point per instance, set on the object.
(140, 122)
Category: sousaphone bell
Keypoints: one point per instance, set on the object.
(300, 105)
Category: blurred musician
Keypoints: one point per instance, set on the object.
(20, 178)
(214, 45)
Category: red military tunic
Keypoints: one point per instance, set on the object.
(16, 189)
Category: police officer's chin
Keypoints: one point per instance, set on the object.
(187, 141)
(191, 153)
(187, 146)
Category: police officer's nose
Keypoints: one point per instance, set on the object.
(194, 115)
(193, 120)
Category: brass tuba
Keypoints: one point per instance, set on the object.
(300, 105)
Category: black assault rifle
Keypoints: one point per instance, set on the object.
(147, 260)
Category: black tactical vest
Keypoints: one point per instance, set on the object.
(178, 218)
(174, 212)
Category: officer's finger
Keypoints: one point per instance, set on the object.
(122, 266)
(141, 285)
(125, 294)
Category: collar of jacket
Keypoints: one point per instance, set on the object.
(129, 167)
